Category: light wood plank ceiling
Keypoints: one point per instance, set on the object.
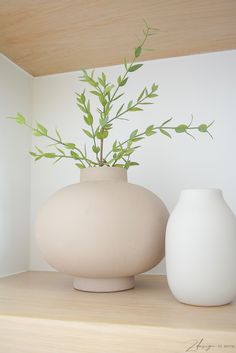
(51, 36)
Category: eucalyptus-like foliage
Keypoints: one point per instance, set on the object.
(98, 127)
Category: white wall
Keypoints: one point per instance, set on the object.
(15, 95)
(202, 85)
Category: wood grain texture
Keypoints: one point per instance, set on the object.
(46, 37)
(40, 312)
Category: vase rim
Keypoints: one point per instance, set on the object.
(201, 191)
(103, 173)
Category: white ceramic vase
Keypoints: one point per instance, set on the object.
(103, 230)
(201, 249)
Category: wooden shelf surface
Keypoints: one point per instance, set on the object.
(48, 37)
(41, 312)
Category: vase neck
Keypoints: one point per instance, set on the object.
(102, 174)
(201, 194)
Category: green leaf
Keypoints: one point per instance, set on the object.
(95, 93)
(81, 108)
(79, 165)
(96, 149)
(123, 82)
(42, 129)
(90, 81)
(115, 148)
(101, 135)
(150, 133)
(38, 149)
(49, 155)
(119, 79)
(130, 164)
(102, 100)
(82, 97)
(108, 89)
(133, 163)
(125, 63)
(69, 145)
(74, 155)
(133, 134)
(181, 128)
(119, 165)
(120, 109)
(128, 151)
(154, 87)
(166, 122)
(164, 132)
(88, 106)
(101, 82)
(141, 95)
(153, 95)
(20, 119)
(88, 133)
(58, 135)
(108, 126)
(37, 133)
(129, 104)
(135, 67)
(202, 128)
(107, 109)
(58, 159)
(150, 130)
(33, 154)
(61, 151)
(104, 77)
(135, 109)
(88, 119)
(137, 51)
(136, 139)
(120, 95)
(103, 122)
(38, 158)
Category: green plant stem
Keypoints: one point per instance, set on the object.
(115, 93)
(101, 163)
(127, 70)
(124, 77)
(100, 159)
(102, 144)
(92, 130)
(94, 141)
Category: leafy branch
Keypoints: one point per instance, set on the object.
(99, 123)
(107, 93)
(41, 131)
(122, 151)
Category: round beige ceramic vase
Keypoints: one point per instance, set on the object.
(103, 230)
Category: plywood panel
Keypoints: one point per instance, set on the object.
(46, 37)
(41, 312)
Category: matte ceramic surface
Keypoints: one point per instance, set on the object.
(103, 231)
(201, 249)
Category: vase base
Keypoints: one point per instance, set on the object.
(205, 304)
(104, 285)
